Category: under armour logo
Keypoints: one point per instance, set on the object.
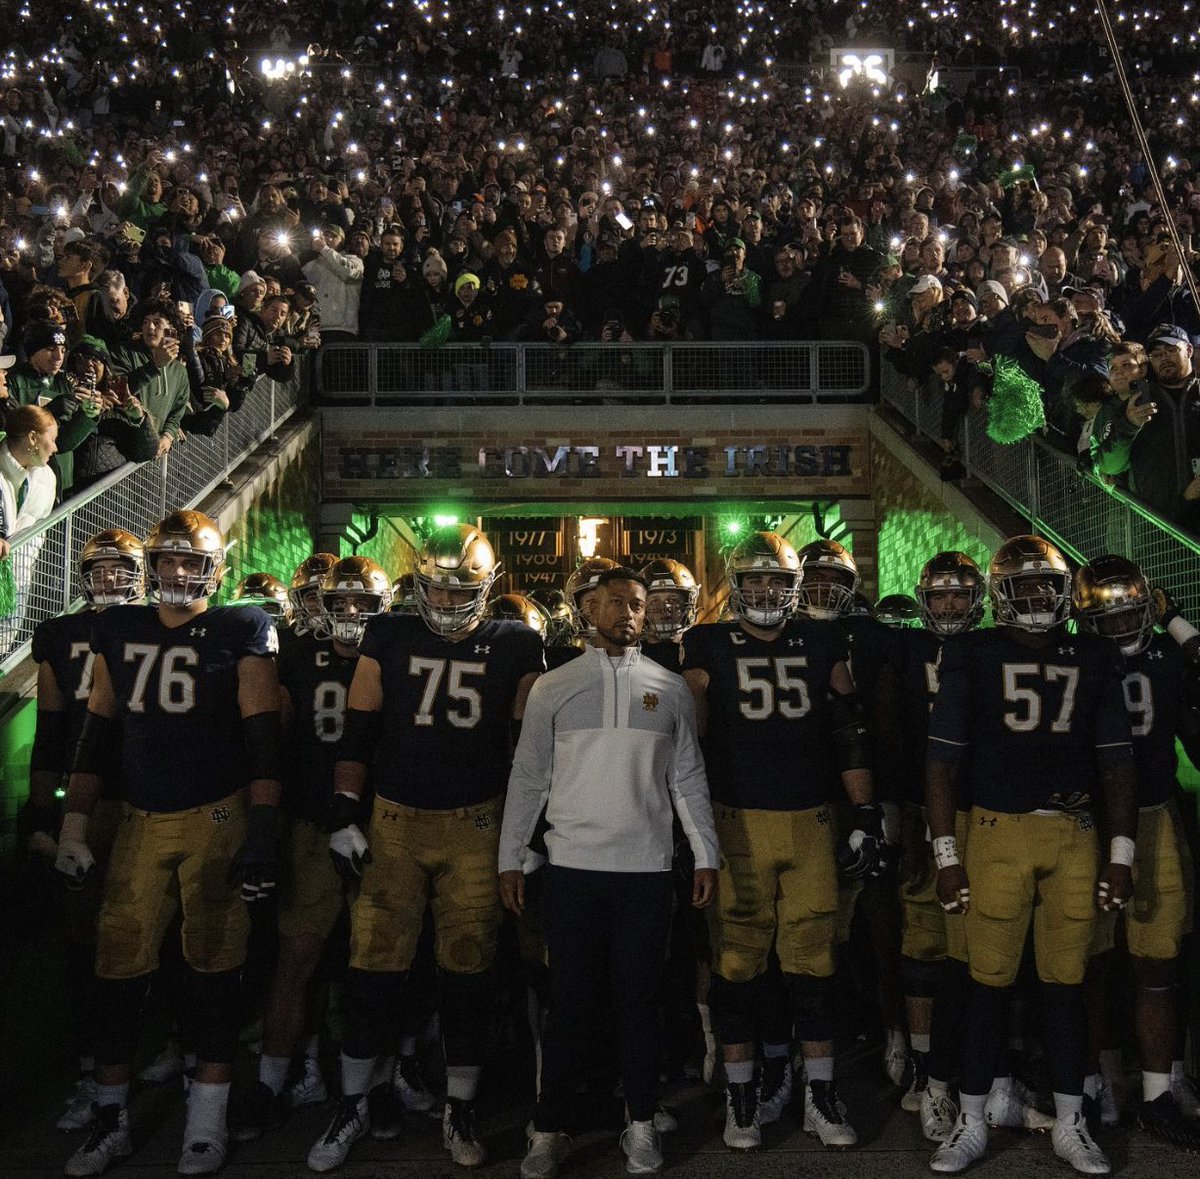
(198, 632)
(795, 642)
(481, 649)
(1067, 650)
(482, 822)
(220, 814)
(1085, 822)
(1154, 655)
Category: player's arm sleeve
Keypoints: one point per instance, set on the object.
(688, 785)
(949, 722)
(529, 780)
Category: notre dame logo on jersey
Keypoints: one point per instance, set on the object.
(220, 814)
(650, 701)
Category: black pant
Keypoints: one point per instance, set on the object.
(594, 920)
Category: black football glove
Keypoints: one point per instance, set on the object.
(347, 843)
(254, 868)
(865, 853)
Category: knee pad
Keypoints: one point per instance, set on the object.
(466, 1015)
(371, 1003)
(119, 1002)
(735, 1009)
(920, 978)
(218, 1012)
(812, 1006)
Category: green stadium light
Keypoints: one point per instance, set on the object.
(445, 521)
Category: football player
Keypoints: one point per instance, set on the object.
(190, 697)
(304, 594)
(519, 608)
(315, 674)
(1040, 718)
(778, 684)
(829, 583)
(1113, 599)
(404, 594)
(670, 609)
(268, 593)
(580, 588)
(111, 574)
(429, 716)
(897, 610)
(950, 599)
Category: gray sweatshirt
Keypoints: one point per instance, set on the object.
(613, 746)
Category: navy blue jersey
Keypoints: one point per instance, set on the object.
(916, 656)
(65, 643)
(871, 646)
(1158, 686)
(446, 708)
(558, 656)
(176, 690)
(768, 746)
(317, 681)
(1039, 723)
(666, 654)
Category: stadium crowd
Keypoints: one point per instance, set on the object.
(192, 211)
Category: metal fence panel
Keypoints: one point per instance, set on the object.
(1082, 513)
(45, 559)
(635, 373)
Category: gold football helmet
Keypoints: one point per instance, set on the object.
(305, 594)
(672, 594)
(560, 626)
(945, 578)
(1029, 582)
(828, 580)
(354, 591)
(763, 552)
(518, 608)
(113, 585)
(186, 533)
(579, 581)
(404, 594)
(898, 610)
(1112, 598)
(455, 572)
(268, 593)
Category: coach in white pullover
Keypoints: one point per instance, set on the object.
(608, 745)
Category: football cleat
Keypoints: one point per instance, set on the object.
(349, 1123)
(109, 1140)
(259, 1111)
(774, 1089)
(310, 1088)
(545, 1154)
(967, 1142)
(825, 1116)
(1163, 1118)
(81, 1107)
(166, 1066)
(914, 1094)
(1109, 1106)
(1011, 1106)
(186, 534)
(1112, 598)
(950, 593)
(410, 1086)
(1075, 1146)
(202, 1156)
(742, 1129)
(460, 1136)
(1029, 582)
(938, 1116)
(386, 1111)
(642, 1149)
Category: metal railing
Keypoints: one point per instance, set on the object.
(45, 558)
(803, 372)
(1079, 512)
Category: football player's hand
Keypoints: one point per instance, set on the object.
(953, 888)
(1165, 607)
(1115, 887)
(512, 891)
(704, 887)
(74, 859)
(864, 853)
(347, 844)
(253, 868)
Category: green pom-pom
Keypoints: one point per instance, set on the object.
(8, 589)
(437, 335)
(1015, 409)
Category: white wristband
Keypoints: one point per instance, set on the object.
(1120, 850)
(74, 827)
(945, 851)
(1181, 630)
